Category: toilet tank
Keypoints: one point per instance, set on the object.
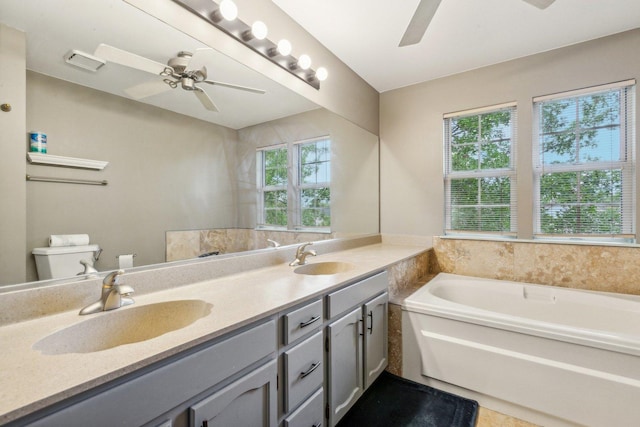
(62, 261)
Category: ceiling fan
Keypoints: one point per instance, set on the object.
(186, 70)
(425, 11)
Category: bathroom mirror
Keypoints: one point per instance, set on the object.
(173, 166)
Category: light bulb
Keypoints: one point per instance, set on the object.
(304, 61)
(228, 10)
(284, 47)
(259, 30)
(322, 74)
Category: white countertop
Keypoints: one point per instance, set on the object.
(30, 380)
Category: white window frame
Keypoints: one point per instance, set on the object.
(509, 172)
(627, 150)
(294, 186)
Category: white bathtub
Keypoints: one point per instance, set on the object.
(553, 356)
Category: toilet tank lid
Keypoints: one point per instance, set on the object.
(59, 250)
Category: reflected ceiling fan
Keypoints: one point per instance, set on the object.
(186, 70)
(425, 11)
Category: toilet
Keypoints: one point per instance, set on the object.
(62, 261)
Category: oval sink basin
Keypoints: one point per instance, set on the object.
(124, 326)
(321, 268)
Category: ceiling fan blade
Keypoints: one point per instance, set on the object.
(198, 59)
(146, 89)
(540, 4)
(420, 21)
(205, 100)
(128, 59)
(232, 86)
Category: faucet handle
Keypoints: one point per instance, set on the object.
(124, 289)
(302, 247)
(113, 278)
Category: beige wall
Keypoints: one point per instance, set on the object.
(344, 92)
(166, 172)
(411, 124)
(354, 167)
(13, 221)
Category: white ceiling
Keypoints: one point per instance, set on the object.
(463, 35)
(54, 27)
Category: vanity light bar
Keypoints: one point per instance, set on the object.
(210, 12)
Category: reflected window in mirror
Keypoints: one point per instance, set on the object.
(272, 186)
(294, 186)
(314, 179)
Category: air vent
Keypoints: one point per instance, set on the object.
(84, 60)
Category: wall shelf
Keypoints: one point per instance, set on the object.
(69, 162)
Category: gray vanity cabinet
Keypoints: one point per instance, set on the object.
(357, 342)
(226, 377)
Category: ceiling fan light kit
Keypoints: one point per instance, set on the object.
(255, 38)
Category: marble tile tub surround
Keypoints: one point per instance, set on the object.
(589, 267)
(187, 244)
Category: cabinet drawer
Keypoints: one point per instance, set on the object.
(309, 414)
(302, 321)
(303, 369)
(342, 300)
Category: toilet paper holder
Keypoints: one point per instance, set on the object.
(125, 260)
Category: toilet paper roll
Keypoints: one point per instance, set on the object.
(68, 240)
(125, 261)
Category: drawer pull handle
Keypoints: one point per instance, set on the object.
(310, 321)
(310, 370)
(370, 328)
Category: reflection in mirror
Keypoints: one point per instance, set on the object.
(181, 178)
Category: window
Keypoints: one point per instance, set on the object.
(272, 188)
(294, 190)
(584, 171)
(314, 177)
(480, 176)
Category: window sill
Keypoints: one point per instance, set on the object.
(545, 240)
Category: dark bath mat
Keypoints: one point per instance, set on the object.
(392, 401)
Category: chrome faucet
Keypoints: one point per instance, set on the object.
(301, 254)
(114, 294)
(273, 243)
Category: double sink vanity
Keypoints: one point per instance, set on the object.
(259, 343)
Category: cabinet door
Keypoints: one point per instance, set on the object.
(345, 364)
(249, 401)
(375, 338)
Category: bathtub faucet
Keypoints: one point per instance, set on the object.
(301, 254)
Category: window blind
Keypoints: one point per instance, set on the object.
(585, 163)
(480, 174)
